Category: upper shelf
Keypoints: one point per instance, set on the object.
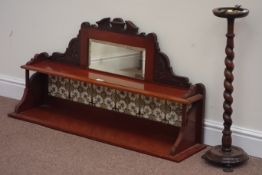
(49, 67)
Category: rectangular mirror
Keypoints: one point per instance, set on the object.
(117, 58)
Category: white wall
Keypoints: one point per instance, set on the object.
(188, 33)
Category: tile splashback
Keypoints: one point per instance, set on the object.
(152, 108)
(127, 102)
(103, 97)
(80, 92)
(58, 87)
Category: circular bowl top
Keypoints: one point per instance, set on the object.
(231, 12)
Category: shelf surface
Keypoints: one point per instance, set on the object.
(113, 128)
(137, 86)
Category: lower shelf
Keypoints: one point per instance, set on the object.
(109, 127)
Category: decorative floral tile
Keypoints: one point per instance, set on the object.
(58, 87)
(80, 91)
(165, 111)
(103, 97)
(174, 113)
(127, 102)
(152, 108)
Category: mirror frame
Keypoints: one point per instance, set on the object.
(157, 68)
(121, 59)
(120, 32)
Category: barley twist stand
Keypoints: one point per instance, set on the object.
(226, 154)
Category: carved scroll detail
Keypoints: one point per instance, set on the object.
(162, 71)
(71, 55)
(116, 25)
(38, 57)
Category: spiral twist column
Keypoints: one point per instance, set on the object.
(226, 154)
(229, 77)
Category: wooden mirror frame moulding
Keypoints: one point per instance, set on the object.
(146, 42)
(157, 67)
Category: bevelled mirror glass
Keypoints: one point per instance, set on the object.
(117, 58)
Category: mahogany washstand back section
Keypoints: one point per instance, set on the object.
(160, 113)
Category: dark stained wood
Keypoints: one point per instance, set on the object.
(200, 113)
(131, 27)
(117, 25)
(38, 57)
(163, 73)
(34, 93)
(71, 55)
(226, 154)
(229, 77)
(150, 137)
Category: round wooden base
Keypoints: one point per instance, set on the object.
(226, 159)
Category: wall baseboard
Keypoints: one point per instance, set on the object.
(248, 139)
(11, 87)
